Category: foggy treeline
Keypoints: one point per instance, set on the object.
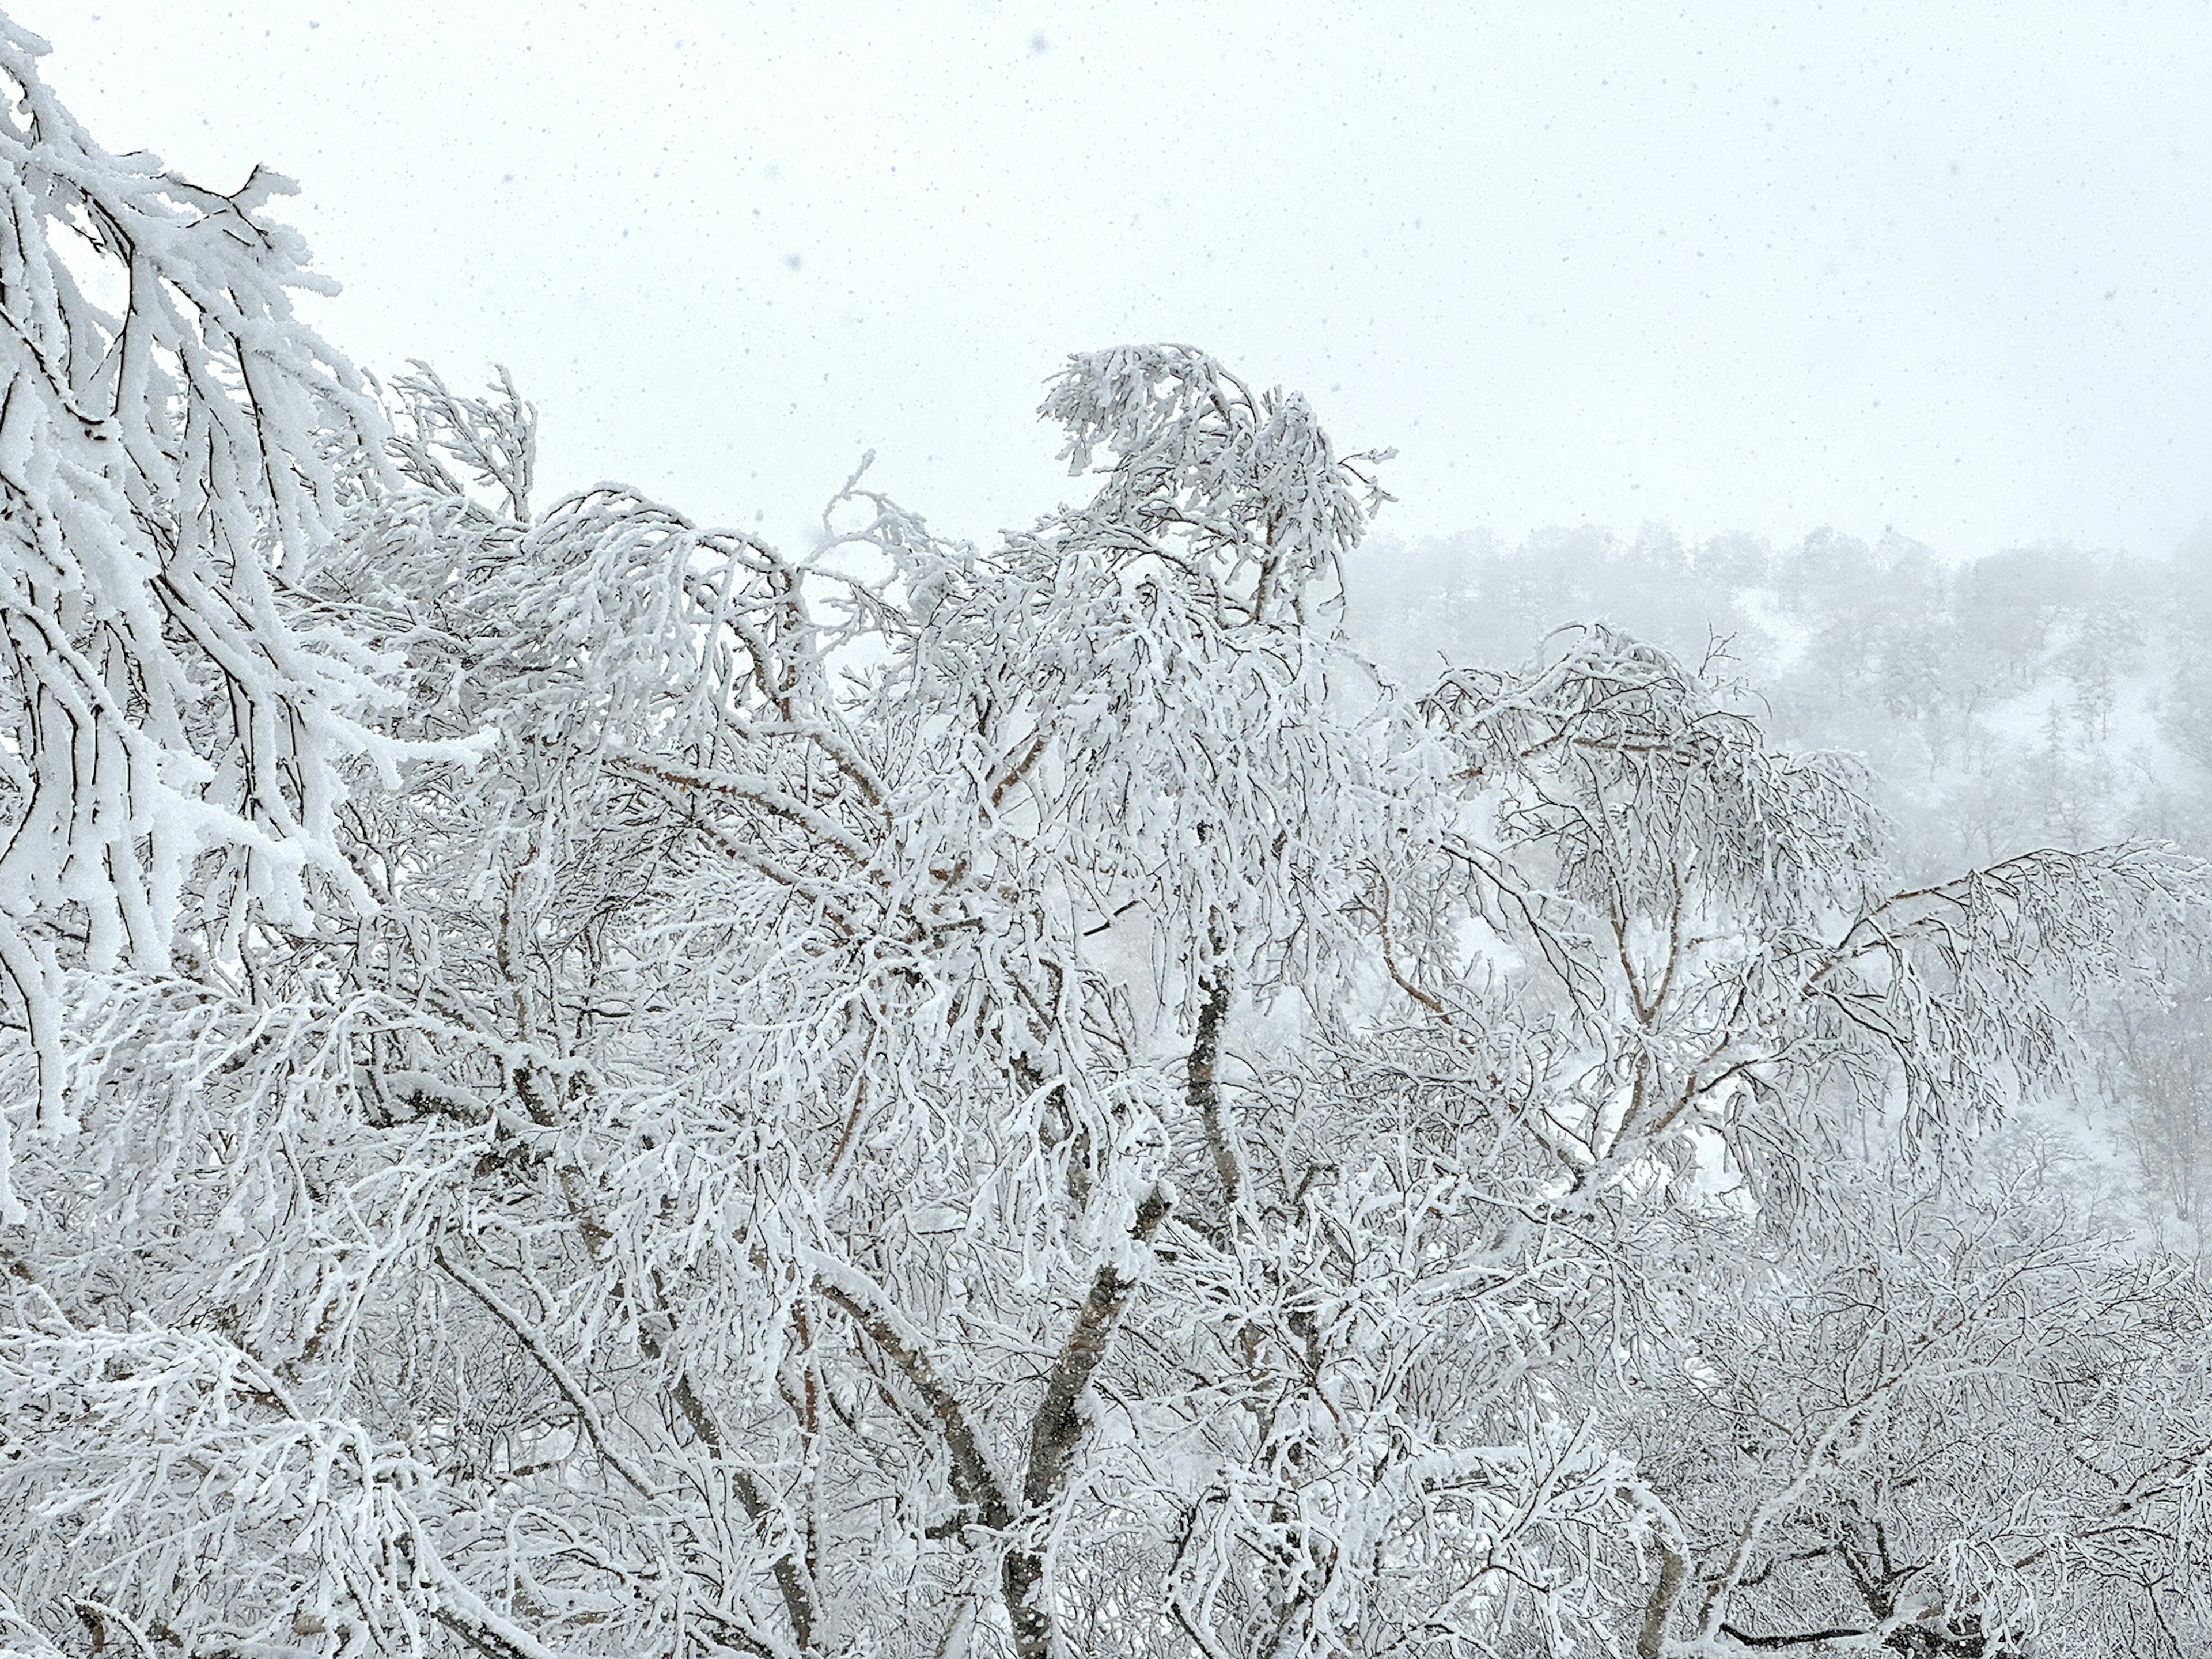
(2046, 696)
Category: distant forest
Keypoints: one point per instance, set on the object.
(2036, 697)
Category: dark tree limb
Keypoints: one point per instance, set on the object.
(972, 1481)
(1058, 1426)
(1673, 1567)
(1204, 1092)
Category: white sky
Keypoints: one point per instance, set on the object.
(1763, 268)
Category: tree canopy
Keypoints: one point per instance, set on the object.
(577, 1083)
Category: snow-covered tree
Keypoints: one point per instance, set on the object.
(175, 451)
(605, 1089)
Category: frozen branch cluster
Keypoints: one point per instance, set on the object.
(579, 1084)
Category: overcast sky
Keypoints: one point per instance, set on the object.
(1767, 268)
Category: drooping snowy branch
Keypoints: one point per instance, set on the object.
(176, 450)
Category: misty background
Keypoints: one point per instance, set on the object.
(1927, 269)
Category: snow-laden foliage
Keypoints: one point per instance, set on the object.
(923, 1099)
(1959, 1424)
(175, 452)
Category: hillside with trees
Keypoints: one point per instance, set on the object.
(576, 1083)
(2036, 697)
